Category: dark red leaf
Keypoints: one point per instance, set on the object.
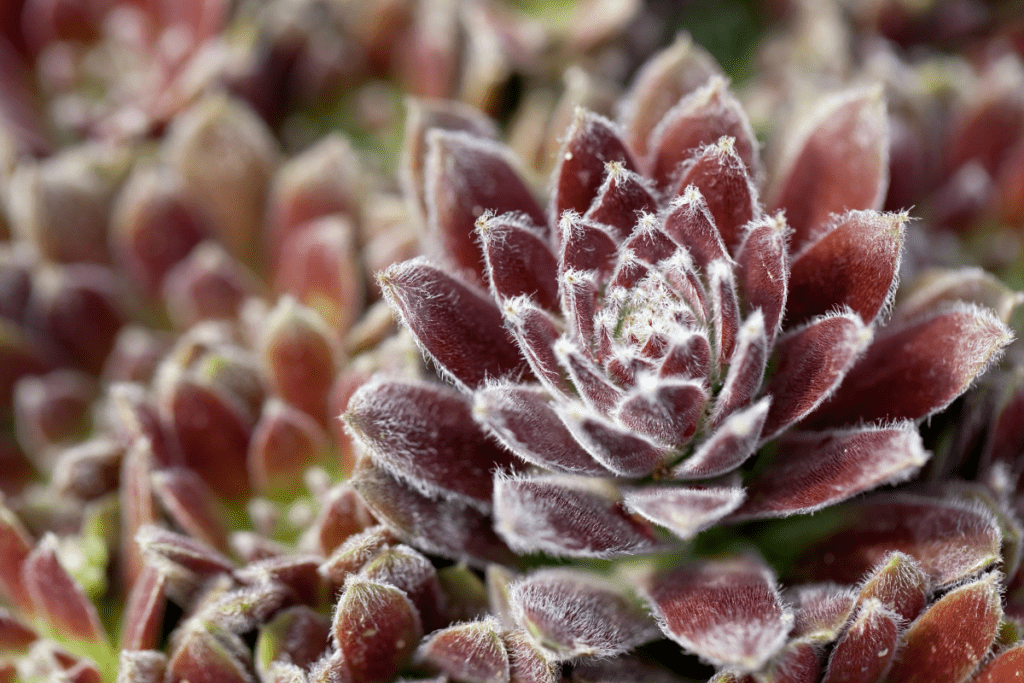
(664, 409)
(1004, 667)
(725, 311)
(412, 573)
(814, 469)
(690, 225)
(586, 246)
(160, 547)
(518, 261)
(621, 451)
(683, 510)
(591, 142)
(622, 198)
(763, 270)
(746, 369)
(144, 611)
(579, 304)
(916, 369)
(425, 434)
(191, 504)
(838, 162)
(591, 383)
(728, 446)
(866, 650)
(472, 652)
(899, 584)
(204, 653)
(376, 629)
(285, 443)
(296, 635)
(688, 358)
(726, 611)
(57, 596)
(822, 611)
(526, 663)
(536, 333)
(567, 516)
(460, 330)
(853, 265)
(15, 546)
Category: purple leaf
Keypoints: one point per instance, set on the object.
(690, 225)
(472, 652)
(726, 611)
(376, 628)
(810, 364)
(591, 142)
(866, 651)
(425, 434)
(466, 175)
(700, 118)
(666, 410)
(763, 269)
(815, 469)
(438, 526)
(950, 539)
(622, 198)
(518, 261)
(683, 510)
(952, 636)
(461, 330)
(619, 450)
(837, 162)
(567, 517)
(728, 447)
(722, 178)
(853, 265)
(916, 369)
(746, 369)
(570, 613)
(524, 421)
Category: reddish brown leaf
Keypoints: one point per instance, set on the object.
(688, 357)
(191, 504)
(570, 613)
(57, 596)
(341, 515)
(837, 162)
(809, 364)
(160, 547)
(144, 611)
(15, 546)
(299, 573)
(621, 451)
(297, 635)
(526, 663)
(867, 649)
(472, 652)
(15, 636)
(621, 199)
(690, 225)
(722, 178)
(586, 246)
(460, 330)
(593, 386)
(951, 637)
(664, 409)
(524, 421)
(699, 119)
(466, 175)
(899, 584)
(950, 539)
(376, 629)
(853, 265)
(425, 434)
(208, 284)
(518, 261)
(916, 369)
(52, 408)
(536, 333)
(439, 526)
(935, 288)
(567, 516)
(746, 369)
(683, 510)
(206, 653)
(815, 469)
(725, 311)
(591, 142)
(354, 553)
(412, 573)
(726, 611)
(141, 666)
(1005, 667)
(284, 444)
(822, 611)
(763, 269)
(728, 447)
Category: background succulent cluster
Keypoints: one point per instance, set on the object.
(481, 340)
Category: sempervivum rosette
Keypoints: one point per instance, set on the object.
(643, 338)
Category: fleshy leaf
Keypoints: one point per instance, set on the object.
(683, 510)
(664, 409)
(536, 333)
(352, 555)
(438, 310)
(822, 611)
(297, 635)
(688, 358)
(376, 629)
(914, 370)
(594, 388)
(141, 666)
(472, 652)
(524, 421)
(15, 546)
(191, 504)
(725, 311)
(144, 610)
(722, 178)
(439, 526)
(838, 161)
(933, 288)
(699, 119)
(412, 573)
(518, 261)
(570, 613)
(526, 663)
(951, 637)
(57, 596)
(815, 469)
(566, 517)
(866, 651)
(746, 369)
(899, 584)
(810, 363)
(690, 225)
(854, 265)
(466, 175)
(586, 246)
(206, 653)
(950, 539)
(285, 443)
(1004, 667)
(621, 199)
(728, 447)
(166, 548)
(763, 270)
(425, 434)
(726, 611)
(619, 450)
(591, 142)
